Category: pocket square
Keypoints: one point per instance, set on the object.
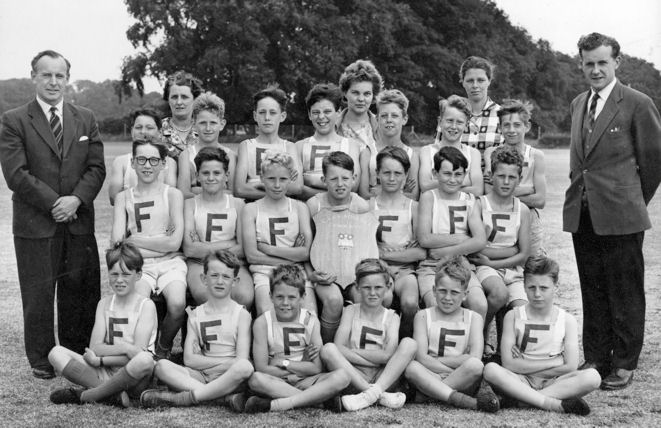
(83, 139)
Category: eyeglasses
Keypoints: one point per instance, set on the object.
(152, 161)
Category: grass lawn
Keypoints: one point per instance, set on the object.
(24, 399)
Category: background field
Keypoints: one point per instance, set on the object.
(24, 399)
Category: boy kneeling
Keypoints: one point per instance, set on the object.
(217, 346)
(539, 349)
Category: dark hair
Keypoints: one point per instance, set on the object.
(182, 78)
(126, 253)
(393, 96)
(542, 265)
(289, 274)
(593, 40)
(208, 154)
(367, 267)
(455, 101)
(153, 141)
(339, 159)
(452, 155)
(396, 153)
(453, 268)
(51, 54)
(226, 257)
(511, 106)
(361, 71)
(506, 155)
(476, 62)
(324, 91)
(272, 91)
(146, 112)
(211, 102)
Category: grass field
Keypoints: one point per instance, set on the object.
(24, 399)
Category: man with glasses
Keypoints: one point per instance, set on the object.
(52, 159)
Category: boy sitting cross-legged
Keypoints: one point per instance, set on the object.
(217, 346)
(447, 366)
(119, 358)
(367, 343)
(539, 349)
(286, 344)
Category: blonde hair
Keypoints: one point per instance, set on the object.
(211, 102)
(273, 158)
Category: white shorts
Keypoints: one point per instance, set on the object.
(513, 279)
(159, 272)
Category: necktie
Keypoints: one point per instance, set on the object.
(593, 110)
(56, 127)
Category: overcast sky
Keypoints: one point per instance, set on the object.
(92, 33)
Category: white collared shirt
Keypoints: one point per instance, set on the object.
(46, 108)
(603, 96)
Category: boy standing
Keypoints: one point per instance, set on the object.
(217, 347)
(539, 349)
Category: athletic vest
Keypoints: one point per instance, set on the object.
(289, 339)
(451, 216)
(216, 332)
(217, 223)
(148, 216)
(121, 324)
(540, 340)
(448, 338)
(366, 334)
(502, 227)
(256, 151)
(313, 152)
(528, 171)
(395, 225)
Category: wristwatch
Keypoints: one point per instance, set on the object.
(285, 364)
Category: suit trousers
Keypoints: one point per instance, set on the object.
(69, 264)
(611, 270)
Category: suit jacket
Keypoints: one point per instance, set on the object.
(621, 168)
(38, 175)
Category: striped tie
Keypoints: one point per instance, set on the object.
(593, 110)
(56, 127)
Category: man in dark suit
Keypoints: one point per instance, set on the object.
(615, 168)
(52, 159)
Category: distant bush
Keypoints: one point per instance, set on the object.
(552, 140)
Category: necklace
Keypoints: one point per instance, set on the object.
(181, 130)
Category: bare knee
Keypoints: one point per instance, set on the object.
(491, 371)
(591, 378)
(141, 365)
(257, 381)
(474, 366)
(340, 379)
(243, 368)
(412, 370)
(329, 350)
(408, 346)
(409, 305)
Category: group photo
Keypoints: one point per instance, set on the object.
(331, 247)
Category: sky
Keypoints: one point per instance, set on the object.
(92, 33)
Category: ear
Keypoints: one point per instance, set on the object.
(406, 119)
(254, 115)
(323, 179)
(618, 60)
(223, 122)
(283, 116)
(202, 276)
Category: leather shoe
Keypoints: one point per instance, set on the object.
(618, 379)
(603, 369)
(43, 372)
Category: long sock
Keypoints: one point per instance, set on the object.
(121, 381)
(169, 329)
(552, 404)
(328, 329)
(282, 404)
(185, 398)
(81, 374)
(462, 401)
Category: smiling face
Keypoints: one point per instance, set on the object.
(144, 126)
(212, 176)
(147, 173)
(276, 180)
(391, 175)
(287, 301)
(505, 178)
(181, 102)
(359, 97)
(453, 122)
(323, 116)
(50, 78)
(219, 279)
(122, 280)
(391, 119)
(339, 182)
(599, 66)
(476, 84)
(514, 129)
(449, 294)
(208, 126)
(449, 180)
(540, 290)
(268, 115)
(372, 290)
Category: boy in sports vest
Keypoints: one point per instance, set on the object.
(539, 349)
(217, 347)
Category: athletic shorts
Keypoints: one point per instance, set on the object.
(536, 234)
(536, 382)
(513, 279)
(160, 271)
(304, 383)
(427, 276)
(398, 270)
(206, 375)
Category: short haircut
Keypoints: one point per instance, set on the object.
(452, 155)
(208, 154)
(455, 101)
(273, 158)
(51, 54)
(542, 265)
(393, 96)
(367, 267)
(226, 257)
(182, 78)
(148, 112)
(125, 252)
(210, 102)
(511, 106)
(339, 159)
(455, 269)
(271, 91)
(396, 153)
(593, 40)
(506, 155)
(361, 71)
(152, 141)
(476, 62)
(324, 91)
(289, 274)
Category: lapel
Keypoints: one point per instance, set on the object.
(71, 120)
(41, 125)
(611, 107)
(577, 123)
